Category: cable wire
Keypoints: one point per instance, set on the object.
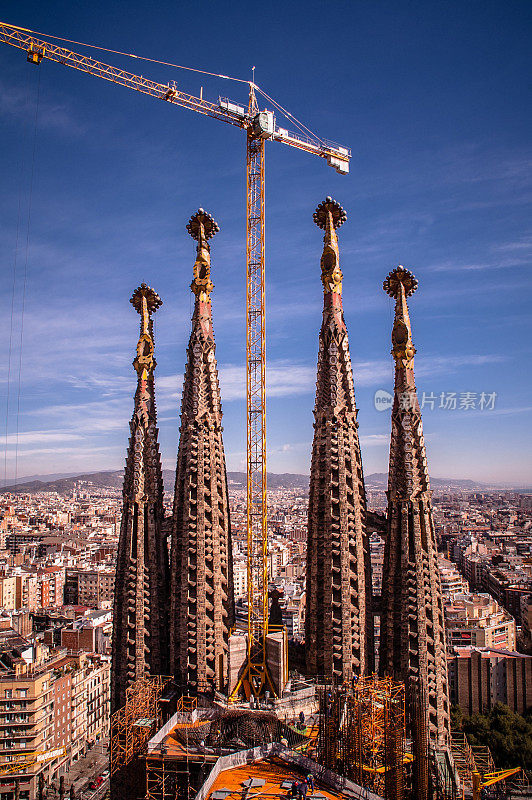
(129, 55)
(25, 274)
(300, 125)
(13, 288)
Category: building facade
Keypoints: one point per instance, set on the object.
(481, 677)
(56, 705)
(477, 620)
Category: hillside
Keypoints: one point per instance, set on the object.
(237, 480)
(113, 480)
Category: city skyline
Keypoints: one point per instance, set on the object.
(438, 184)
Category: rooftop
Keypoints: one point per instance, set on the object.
(273, 779)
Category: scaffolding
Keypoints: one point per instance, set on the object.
(172, 778)
(362, 734)
(131, 728)
(476, 769)
(180, 763)
(423, 778)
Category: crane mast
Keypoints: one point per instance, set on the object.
(256, 671)
(259, 127)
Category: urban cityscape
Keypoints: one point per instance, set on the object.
(57, 579)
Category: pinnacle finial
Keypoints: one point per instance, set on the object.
(403, 349)
(338, 214)
(399, 276)
(210, 226)
(328, 216)
(146, 301)
(153, 301)
(202, 227)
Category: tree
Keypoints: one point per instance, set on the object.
(507, 734)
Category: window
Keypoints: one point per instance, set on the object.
(9, 692)
(23, 692)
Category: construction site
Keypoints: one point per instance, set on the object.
(206, 708)
(355, 745)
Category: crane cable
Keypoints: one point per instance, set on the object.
(130, 55)
(290, 116)
(25, 273)
(14, 286)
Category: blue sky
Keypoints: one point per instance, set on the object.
(432, 98)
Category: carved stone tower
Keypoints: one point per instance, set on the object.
(412, 645)
(201, 602)
(339, 622)
(140, 621)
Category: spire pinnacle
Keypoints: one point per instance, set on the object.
(339, 620)
(328, 216)
(140, 621)
(202, 227)
(412, 640)
(400, 284)
(146, 301)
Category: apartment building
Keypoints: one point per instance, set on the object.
(26, 591)
(91, 633)
(90, 701)
(240, 578)
(27, 723)
(8, 592)
(90, 587)
(57, 708)
(477, 620)
(452, 582)
(481, 677)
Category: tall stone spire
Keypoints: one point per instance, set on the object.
(412, 644)
(339, 623)
(201, 602)
(140, 622)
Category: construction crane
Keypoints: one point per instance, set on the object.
(481, 782)
(259, 126)
(23, 762)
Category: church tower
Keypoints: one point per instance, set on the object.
(339, 622)
(140, 622)
(201, 598)
(412, 644)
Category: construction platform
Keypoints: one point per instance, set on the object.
(268, 777)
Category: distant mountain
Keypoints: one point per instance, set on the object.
(113, 480)
(39, 478)
(377, 479)
(237, 480)
(284, 480)
(380, 479)
(102, 480)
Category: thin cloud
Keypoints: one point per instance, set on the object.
(53, 116)
(375, 440)
(38, 437)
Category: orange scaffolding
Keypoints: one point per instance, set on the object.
(131, 728)
(362, 733)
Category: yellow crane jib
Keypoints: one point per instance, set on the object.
(489, 779)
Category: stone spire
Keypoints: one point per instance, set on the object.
(412, 643)
(140, 623)
(339, 622)
(201, 602)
